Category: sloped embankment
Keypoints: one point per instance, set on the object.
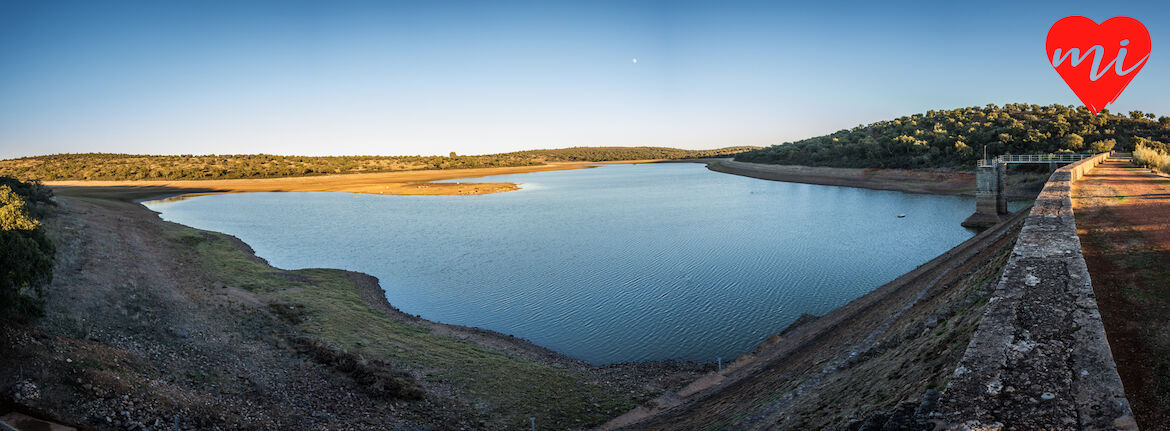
(150, 323)
(876, 361)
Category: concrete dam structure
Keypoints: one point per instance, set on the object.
(990, 199)
(1040, 358)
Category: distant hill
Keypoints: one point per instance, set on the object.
(954, 139)
(607, 154)
(105, 166)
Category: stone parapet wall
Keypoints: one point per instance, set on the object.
(1039, 358)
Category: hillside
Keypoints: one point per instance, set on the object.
(114, 167)
(955, 139)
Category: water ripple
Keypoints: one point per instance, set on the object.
(617, 263)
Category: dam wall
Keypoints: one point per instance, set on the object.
(1040, 358)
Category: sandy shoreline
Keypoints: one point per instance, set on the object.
(420, 182)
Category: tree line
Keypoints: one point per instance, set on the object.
(106, 166)
(956, 138)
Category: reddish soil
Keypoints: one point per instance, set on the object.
(1123, 218)
(930, 182)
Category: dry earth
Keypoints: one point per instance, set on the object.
(882, 179)
(1123, 219)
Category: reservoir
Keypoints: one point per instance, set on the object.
(609, 264)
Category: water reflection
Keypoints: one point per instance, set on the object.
(615, 263)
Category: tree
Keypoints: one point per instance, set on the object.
(1073, 142)
(1102, 146)
(963, 149)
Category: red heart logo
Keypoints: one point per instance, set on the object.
(1098, 61)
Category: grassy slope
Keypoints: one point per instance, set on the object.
(501, 389)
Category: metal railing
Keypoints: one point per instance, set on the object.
(1063, 158)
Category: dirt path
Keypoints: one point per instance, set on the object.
(1123, 218)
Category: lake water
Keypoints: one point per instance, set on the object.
(610, 264)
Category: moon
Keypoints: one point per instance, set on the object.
(635, 60)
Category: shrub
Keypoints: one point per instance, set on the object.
(1152, 158)
(26, 255)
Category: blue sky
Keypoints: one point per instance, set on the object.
(314, 78)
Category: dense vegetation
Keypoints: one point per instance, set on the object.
(956, 138)
(1153, 157)
(26, 254)
(103, 166)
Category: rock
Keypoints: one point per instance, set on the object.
(929, 404)
(26, 390)
(874, 422)
(902, 418)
